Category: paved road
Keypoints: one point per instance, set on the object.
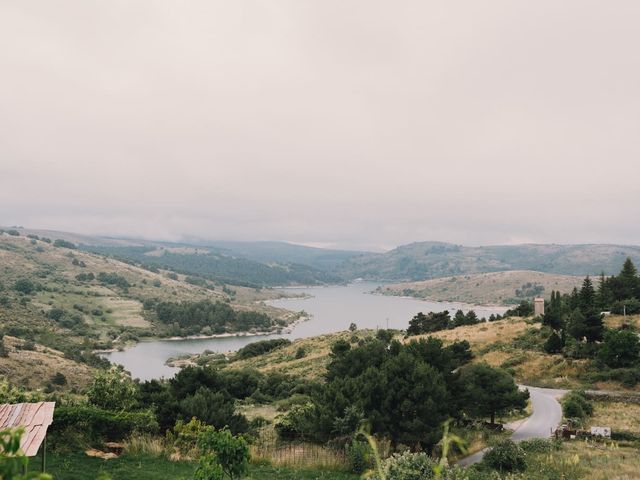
(546, 416)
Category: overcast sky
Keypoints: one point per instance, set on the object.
(357, 124)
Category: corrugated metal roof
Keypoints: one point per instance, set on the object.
(35, 418)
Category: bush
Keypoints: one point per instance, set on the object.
(55, 314)
(183, 437)
(630, 306)
(576, 405)
(99, 424)
(506, 456)
(114, 390)
(621, 348)
(540, 445)
(553, 344)
(408, 466)
(59, 379)
(359, 457)
(222, 454)
(64, 244)
(300, 353)
(24, 285)
(259, 348)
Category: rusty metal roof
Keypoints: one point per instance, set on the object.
(35, 418)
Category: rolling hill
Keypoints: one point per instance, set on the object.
(427, 260)
(509, 287)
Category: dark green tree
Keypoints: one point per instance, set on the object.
(621, 348)
(554, 343)
(488, 391)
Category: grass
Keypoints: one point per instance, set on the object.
(78, 466)
(483, 288)
(617, 415)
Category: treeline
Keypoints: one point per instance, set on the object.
(437, 321)
(574, 326)
(620, 293)
(221, 268)
(404, 392)
(260, 348)
(206, 317)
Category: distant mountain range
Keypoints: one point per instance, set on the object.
(281, 263)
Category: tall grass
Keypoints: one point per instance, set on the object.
(145, 445)
(299, 455)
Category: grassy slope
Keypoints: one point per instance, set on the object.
(34, 368)
(501, 344)
(482, 288)
(54, 268)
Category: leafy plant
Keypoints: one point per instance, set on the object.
(223, 456)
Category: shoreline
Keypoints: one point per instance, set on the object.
(288, 330)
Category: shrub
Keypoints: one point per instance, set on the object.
(59, 379)
(506, 456)
(64, 244)
(621, 348)
(576, 405)
(99, 424)
(553, 344)
(259, 348)
(300, 353)
(24, 285)
(630, 306)
(359, 456)
(55, 314)
(183, 437)
(13, 233)
(408, 466)
(223, 455)
(540, 445)
(113, 389)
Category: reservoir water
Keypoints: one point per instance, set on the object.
(332, 309)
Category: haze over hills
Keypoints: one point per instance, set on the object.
(425, 260)
(270, 263)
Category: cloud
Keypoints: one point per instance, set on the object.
(349, 123)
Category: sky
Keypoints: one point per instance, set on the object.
(339, 123)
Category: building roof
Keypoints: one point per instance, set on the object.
(35, 418)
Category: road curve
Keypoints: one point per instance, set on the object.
(546, 416)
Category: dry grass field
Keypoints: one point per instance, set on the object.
(33, 369)
(483, 288)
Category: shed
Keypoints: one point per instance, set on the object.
(34, 418)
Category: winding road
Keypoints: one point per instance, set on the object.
(546, 416)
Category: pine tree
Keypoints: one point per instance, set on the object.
(587, 298)
(628, 281)
(605, 294)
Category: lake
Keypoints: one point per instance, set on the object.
(331, 308)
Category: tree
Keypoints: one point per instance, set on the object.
(488, 391)
(553, 314)
(553, 344)
(223, 456)
(458, 319)
(587, 297)
(576, 324)
(213, 408)
(621, 348)
(628, 283)
(353, 327)
(113, 389)
(24, 285)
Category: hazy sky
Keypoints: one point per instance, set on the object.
(359, 124)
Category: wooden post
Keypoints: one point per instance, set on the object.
(44, 453)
